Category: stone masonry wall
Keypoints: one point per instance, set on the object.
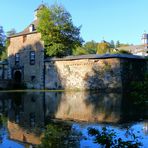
(83, 74)
(32, 75)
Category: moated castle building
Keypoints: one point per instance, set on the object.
(26, 64)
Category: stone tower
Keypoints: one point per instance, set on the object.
(145, 40)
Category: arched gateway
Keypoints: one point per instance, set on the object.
(17, 76)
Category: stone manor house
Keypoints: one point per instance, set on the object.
(26, 56)
(26, 64)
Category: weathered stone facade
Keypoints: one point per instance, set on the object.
(83, 74)
(29, 70)
(109, 72)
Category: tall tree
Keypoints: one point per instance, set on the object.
(2, 39)
(59, 34)
(80, 51)
(103, 47)
(117, 44)
(112, 44)
(3, 53)
(91, 47)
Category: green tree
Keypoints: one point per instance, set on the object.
(3, 53)
(91, 47)
(117, 44)
(2, 39)
(112, 44)
(59, 34)
(103, 47)
(80, 51)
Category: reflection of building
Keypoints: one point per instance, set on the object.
(83, 106)
(28, 112)
(26, 118)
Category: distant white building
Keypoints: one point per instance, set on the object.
(141, 50)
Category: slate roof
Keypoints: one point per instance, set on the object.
(96, 56)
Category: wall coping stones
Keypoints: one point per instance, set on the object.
(96, 56)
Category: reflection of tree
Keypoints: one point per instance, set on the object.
(60, 134)
(3, 121)
(108, 138)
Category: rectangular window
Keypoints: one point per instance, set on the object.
(17, 58)
(32, 57)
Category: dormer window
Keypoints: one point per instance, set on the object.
(31, 28)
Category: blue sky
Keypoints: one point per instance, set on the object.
(123, 20)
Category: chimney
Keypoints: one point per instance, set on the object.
(31, 28)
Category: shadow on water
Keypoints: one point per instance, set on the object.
(28, 113)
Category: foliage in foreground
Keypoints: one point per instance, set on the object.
(108, 139)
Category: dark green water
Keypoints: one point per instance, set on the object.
(63, 118)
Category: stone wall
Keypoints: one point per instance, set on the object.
(32, 74)
(111, 72)
(104, 74)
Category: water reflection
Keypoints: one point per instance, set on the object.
(84, 106)
(27, 113)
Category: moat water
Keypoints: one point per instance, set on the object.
(62, 119)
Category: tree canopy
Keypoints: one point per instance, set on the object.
(2, 39)
(3, 53)
(103, 47)
(59, 34)
(89, 47)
